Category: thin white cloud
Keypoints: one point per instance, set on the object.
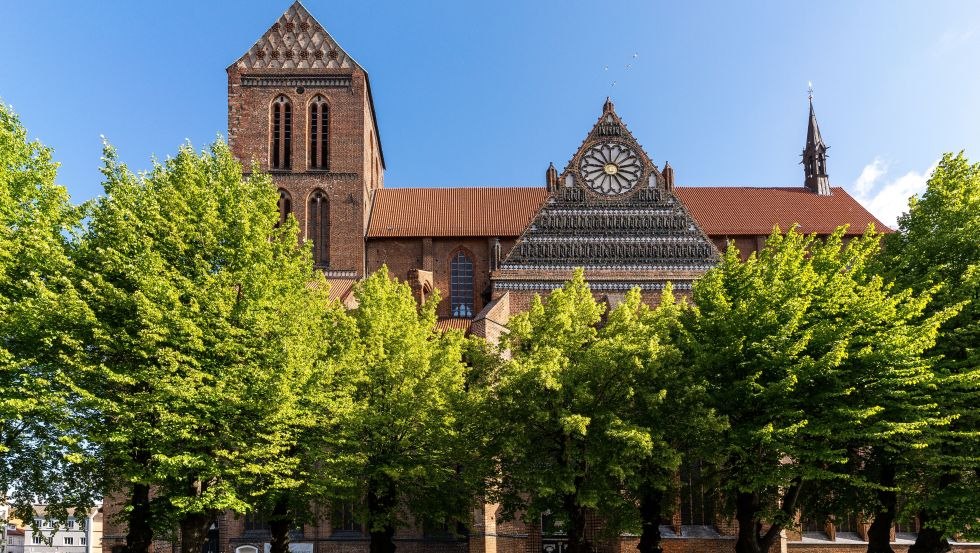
(869, 176)
(888, 198)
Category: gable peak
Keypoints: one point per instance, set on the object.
(296, 41)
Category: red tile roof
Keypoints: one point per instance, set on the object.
(340, 287)
(720, 210)
(454, 324)
(434, 212)
(729, 211)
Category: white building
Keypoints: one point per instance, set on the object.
(15, 539)
(78, 534)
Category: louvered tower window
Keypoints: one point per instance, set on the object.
(318, 227)
(461, 285)
(282, 127)
(285, 205)
(319, 133)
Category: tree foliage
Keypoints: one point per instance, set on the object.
(42, 454)
(813, 359)
(585, 403)
(202, 325)
(406, 425)
(936, 246)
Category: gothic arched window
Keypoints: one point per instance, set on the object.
(318, 227)
(282, 127)
(285, 205)
(319, 132)
(461, 285)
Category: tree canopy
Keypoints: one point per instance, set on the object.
(203, 322)
(936, 247)
(811, 357)
(42, 453)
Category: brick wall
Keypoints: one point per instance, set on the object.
(354, 167)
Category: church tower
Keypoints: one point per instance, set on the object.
(300, 108)
(815, 158)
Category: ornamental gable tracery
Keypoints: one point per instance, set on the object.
(612, 209)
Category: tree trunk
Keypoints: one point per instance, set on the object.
(749, 526)
(751, 539)
(929, 540)
(879, 534)
(381, 502)
(280, 523)
(139, 534)
(576, 525)
(651, 504)
(194, 532)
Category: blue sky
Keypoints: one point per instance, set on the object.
(488, 93)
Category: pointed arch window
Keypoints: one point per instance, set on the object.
(285, 205)
(461, 285)
(318, 227)
(282, 133)
(319, 133)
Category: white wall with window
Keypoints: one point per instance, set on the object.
(76, 534)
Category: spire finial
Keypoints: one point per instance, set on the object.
(608, 106)
(809, 90)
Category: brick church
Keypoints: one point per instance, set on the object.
(301, 108)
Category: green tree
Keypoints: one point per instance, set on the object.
(204, 321)
(405, 425)
(41, 455)
(326, 466)
(806, 352)
(936, 245)
(668, 402)
(583, 435)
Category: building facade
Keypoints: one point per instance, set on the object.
(300, 108)
(79, 533)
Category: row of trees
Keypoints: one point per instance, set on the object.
(171, 343)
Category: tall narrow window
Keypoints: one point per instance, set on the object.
(344, 519)
(697, 495)
(461, 285)
(285, 206)
(319, 132)
(318, 227)
(282, 133)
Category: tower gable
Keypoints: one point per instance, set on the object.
(296, 41)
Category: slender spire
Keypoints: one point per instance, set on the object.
(551, 177)
(815, 156)
(668, 174)
(608, 106)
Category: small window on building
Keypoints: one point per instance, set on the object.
(461, 285)
(285, 205)
(318, 227)
(69, 540)
(70, 523)
(256, 522)
(319, 133)
(280, 149)
(37, 540)
(83, 541)
(344, 519)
